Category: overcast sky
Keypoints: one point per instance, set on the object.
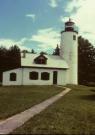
(37, 24)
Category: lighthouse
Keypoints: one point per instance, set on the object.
(59, 69)
(69, 50)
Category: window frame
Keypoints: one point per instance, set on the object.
(33, 75)
(13, 76)
(45, 74)
(74, 37)
(40, 60)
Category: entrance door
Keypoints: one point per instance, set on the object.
(54, 77)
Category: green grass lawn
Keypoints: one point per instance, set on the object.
(18, 98)
(72, 114)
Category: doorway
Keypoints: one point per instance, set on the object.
(54, 77)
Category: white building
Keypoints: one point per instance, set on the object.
(49, 69)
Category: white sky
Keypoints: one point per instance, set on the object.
(84, 17)
(44, 34)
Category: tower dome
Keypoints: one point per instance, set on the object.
(70, 26)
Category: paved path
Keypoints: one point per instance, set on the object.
(17, 120)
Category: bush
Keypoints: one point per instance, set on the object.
(91, 84)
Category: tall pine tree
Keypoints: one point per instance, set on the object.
(86, 61)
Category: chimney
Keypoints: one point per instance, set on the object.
(23, 54)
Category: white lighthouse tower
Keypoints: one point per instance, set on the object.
(69, 50)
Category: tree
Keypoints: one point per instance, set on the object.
(86, 61)
(43, 53)
(32, 51)
(56, 51)
(9, 59)
(14, 56)
(3, 66)
(25, 51)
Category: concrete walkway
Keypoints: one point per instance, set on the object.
(17, 120)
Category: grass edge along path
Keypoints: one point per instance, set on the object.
(17, 120)
(16, 99)
(73, 114)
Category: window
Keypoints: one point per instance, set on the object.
(40, 59)
(45, 76)
(12, 76)
(74, 37)
(33, 75)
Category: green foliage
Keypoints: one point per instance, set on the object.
(73, 114)
(56, 51)
(9, 59)
(25, 51)
(32, 51)
(86, 61)
(43, 53)
(16, 99)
